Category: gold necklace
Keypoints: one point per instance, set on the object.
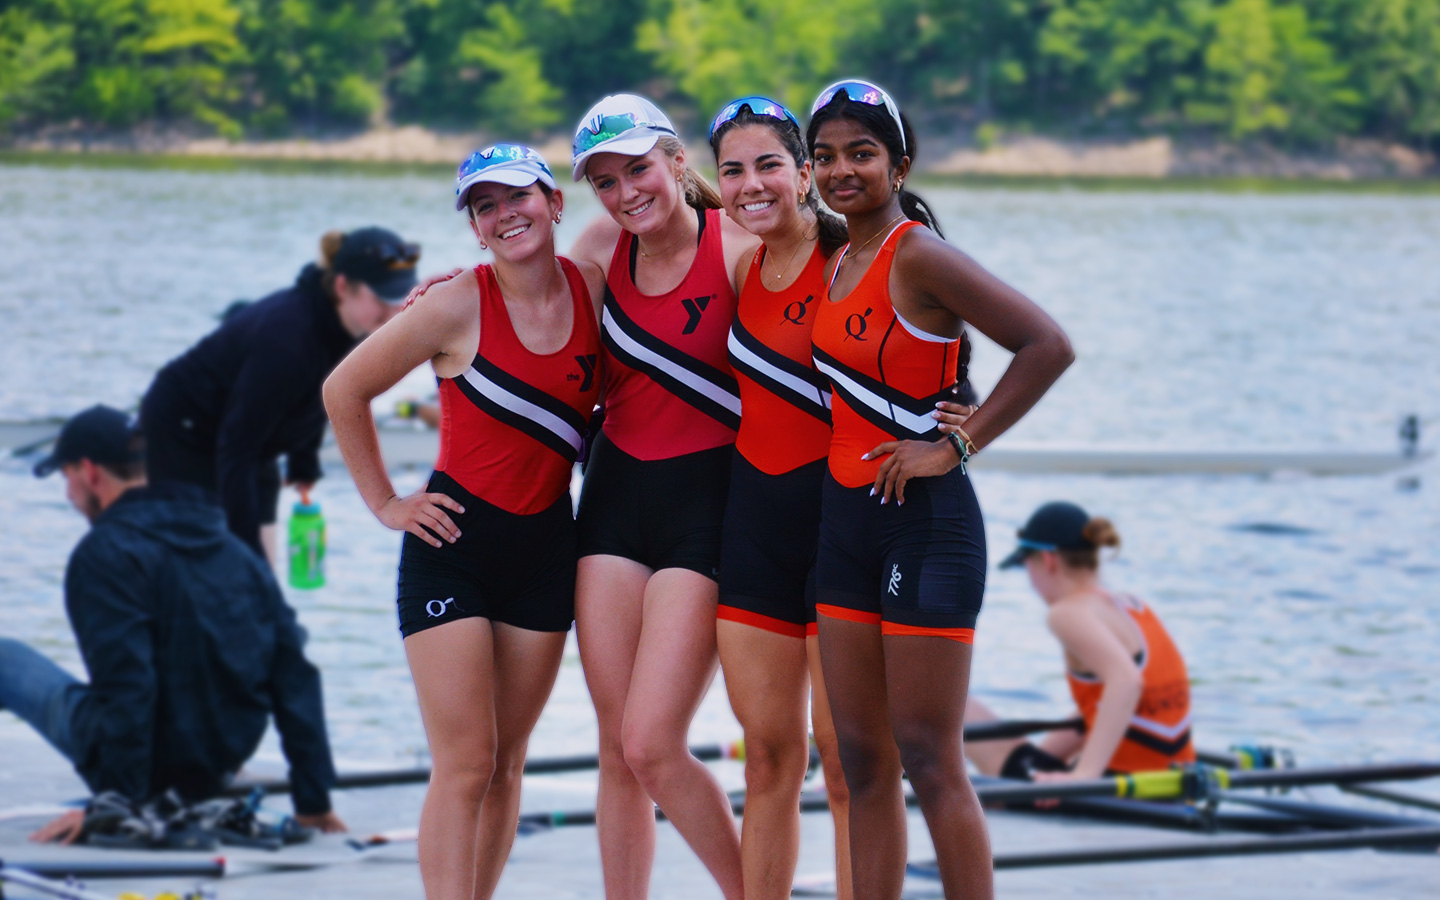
(664, 252)
(804, 239)
(871, 239)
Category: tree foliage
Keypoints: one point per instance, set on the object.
(1300, 71)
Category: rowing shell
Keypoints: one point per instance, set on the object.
(406, 447)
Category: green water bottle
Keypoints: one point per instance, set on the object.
(307, 544)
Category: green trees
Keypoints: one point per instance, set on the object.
(1299, 71)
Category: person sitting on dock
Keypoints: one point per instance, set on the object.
(1125, 673)
(188, 642)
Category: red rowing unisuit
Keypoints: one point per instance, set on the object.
(512, 424)
(1159, 731)
(786, 403)
(887, 375)
(669, 390)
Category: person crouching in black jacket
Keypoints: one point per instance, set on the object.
(221, 414)
(189, 644)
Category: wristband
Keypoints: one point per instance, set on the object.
(970, 448)
(959, 448)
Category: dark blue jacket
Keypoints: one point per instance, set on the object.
(249, 392)
(190, 648)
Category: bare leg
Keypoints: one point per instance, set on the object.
(830, 763)
(765, 675)
(988, 756)
(852, 657)
(609, 598)
(674, 665)
(927, 679)
(453, 668)
(526, 663)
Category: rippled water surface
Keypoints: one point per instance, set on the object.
(1307, 608)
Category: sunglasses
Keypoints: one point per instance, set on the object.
(604, 128)
(395, 256)
(862, 92)
(760, 106)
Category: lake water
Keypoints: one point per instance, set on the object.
(1307, 608)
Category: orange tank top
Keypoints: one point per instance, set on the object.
(786, 403)
(668, 385)
(886, 374)
(1159, 731)
(511, 425)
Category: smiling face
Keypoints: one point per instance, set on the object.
(760, 184)
(514, 222)
(853, 171)
(639, 192)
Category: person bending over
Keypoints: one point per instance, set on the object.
(1125, 673)
(188, 642)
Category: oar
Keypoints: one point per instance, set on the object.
(1198, 781)
(984, 731)
(128, 867)
(1367, 790)
(421, 774)
(27, 879)
(1324, 814)
(1300, 843)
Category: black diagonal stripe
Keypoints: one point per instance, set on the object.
(531, 394)
(722, 380)
(916, 405)
(1155, 742)
(515, 420)
(809, 405)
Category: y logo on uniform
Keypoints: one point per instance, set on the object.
(586, 376)
(694, 308)
(894, 579)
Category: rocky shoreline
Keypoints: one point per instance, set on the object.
(1019, 156)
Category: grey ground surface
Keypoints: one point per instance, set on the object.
(564, 863)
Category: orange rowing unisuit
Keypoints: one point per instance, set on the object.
(886, 373)
(1159, 731)
(786, 403)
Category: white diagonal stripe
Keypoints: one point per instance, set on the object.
(807, 391)
(519, 405)
(919, 424)
(681, 374)
(1169, 732)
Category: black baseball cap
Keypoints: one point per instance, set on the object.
(101, 434)
(1055, 526)
(379, 258)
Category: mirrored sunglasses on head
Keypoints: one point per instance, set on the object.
(500, 154)
(604, 128)
(395, 256)
(760, 106)
(862, 92)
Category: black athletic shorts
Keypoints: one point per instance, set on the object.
(767, 548)
(1026, 759)
(915, 569)
(508, 568)
(662, 513)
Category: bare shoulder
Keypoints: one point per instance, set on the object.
(448, 303)
(922, 252)
(596, 244)
(739, 246)
(594, 282)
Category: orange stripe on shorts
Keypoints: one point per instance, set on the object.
(756, 620)
(849, 615)
(962, 635)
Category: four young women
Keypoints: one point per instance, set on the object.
(675, 529)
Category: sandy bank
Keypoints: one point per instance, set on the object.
(1017, 156)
